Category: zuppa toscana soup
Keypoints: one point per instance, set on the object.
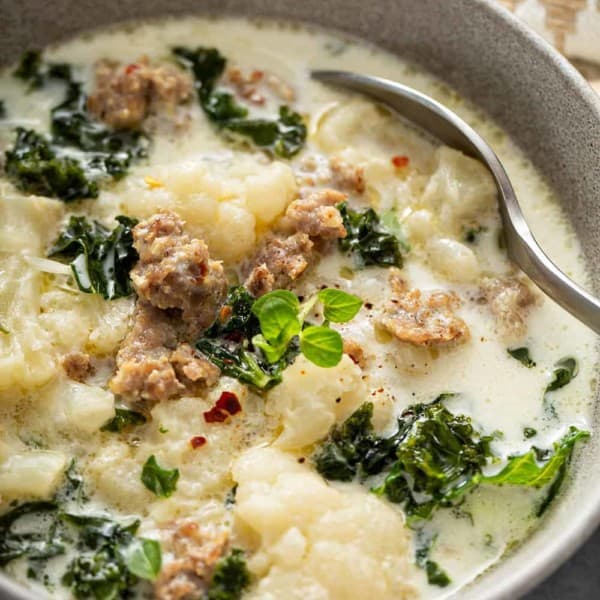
(260, 339)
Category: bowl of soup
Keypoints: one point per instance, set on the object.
(260, 336)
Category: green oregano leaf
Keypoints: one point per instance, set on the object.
(321, 345)
(339, 306)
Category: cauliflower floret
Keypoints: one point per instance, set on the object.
(315, 540)
(311, 399)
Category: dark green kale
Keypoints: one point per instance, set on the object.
(529, 432)
(2, 110)
(123, 419)
(108, 555)
(522, 355)
(108, 152)
(100, 259)
(30, 530)
(438, 455)
(353, 449)
(46, 166)
(434, 458)
(230, 577)
(435, 574)
(368, 239)
(236, 318)
(35, 167)
(33, 70)
(240, 362)
(284, 137)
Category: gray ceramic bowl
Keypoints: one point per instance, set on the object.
(492, 59)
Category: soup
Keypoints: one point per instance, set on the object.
(260, 338)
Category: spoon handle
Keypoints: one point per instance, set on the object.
(446, 126)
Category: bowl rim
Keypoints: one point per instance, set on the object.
(499, 585)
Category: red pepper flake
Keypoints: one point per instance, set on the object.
(229, 402)
(129, 69)
(400, 161)
(227, 405)
(197, 441)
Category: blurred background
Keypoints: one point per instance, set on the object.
(573, 26)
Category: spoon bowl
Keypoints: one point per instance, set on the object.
(450, 129)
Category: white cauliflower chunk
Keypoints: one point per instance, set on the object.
(311, 399)
(316, 541)
(34, 473)
(461, 188)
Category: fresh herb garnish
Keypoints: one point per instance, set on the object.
(433, 459)
(100, 259)
(435, 574)
(283, 137)
(161, 482)
(230, 577)
(123, 419)
(255, 340)
(565, 370)
(368, 239)
(522, 355)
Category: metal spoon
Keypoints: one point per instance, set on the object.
(450, 129)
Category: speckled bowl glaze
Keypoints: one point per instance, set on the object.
(496, 62)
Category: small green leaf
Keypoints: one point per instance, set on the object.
(525, 469)
(321, 345)
(338, 306)
(522, 355)
(123, 419)
(278, 317)
(162, 482)
(143, 558)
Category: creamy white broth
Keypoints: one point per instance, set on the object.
(201, 174)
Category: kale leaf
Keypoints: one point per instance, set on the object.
(2, 110)
(433, 459)
(123, 419)
(368, 239)
(36, 73)
(108, 152)
(30, 530)
(100, 259)
(46, 166)
(284, 137)
(35, 167)
(239, 362)
(230, 577)
(101, 569)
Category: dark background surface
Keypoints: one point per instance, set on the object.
(577, 579)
